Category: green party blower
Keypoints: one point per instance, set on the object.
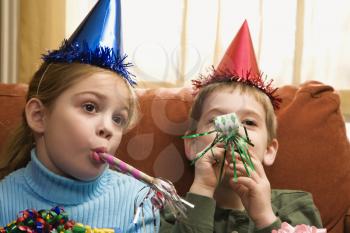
(226, 128)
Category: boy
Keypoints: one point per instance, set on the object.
(249, 204)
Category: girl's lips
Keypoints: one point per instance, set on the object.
(100, 150)
(96, 157)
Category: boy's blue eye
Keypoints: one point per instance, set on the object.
(89, 107)
(249, 122)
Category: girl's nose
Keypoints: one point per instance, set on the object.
(105, 128)
(104, 133)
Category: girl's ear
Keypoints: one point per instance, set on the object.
(271, 152)
(35, 115)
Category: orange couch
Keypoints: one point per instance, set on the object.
(314, 152)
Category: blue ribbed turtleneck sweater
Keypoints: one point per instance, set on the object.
(107, 202)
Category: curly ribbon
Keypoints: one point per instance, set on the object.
(227, 132)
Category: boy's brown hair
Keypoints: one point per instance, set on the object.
(262, 98)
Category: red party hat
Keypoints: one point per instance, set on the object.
(239, 65)
(240, 56)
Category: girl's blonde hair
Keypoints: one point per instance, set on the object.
(262, 98)
(46, 85)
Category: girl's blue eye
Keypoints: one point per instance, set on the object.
(119, 120)
(89, 107)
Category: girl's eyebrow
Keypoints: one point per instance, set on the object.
(100, 96)
(97, 94)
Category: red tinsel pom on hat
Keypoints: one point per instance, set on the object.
(239, 65)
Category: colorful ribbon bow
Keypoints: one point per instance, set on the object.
(42, 221)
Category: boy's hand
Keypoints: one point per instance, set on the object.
(255, 192)
(207, 171)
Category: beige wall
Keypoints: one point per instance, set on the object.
(42, 27)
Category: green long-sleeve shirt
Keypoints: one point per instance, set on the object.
(294, 207)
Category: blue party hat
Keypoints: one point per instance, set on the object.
(97, 41)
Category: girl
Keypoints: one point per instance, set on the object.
(73, 112)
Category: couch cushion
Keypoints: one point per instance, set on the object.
(155, 144)
(314, 153)
(12, 101)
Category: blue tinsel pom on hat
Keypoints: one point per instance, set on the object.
(103, 57)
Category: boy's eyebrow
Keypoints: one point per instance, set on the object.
(250, 112)
(239, 112)
(216, 110)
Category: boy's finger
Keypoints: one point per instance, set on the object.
(239, 188)
(217, 152)
(246, 182)
(216, 156)
(220, 145)
(240, 170)
(252, 174)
